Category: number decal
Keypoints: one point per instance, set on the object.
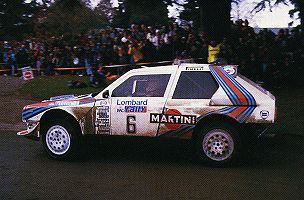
(131, 124)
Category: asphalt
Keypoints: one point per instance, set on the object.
(137, 168)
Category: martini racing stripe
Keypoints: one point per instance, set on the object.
(243, 116)
(26, 114)
(30, 110)
(35, 112)
(240, 95)
(227, 110)
(240, 87)
(227, 90)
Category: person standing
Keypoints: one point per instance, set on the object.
(214, 49)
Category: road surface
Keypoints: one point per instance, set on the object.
(118, 168)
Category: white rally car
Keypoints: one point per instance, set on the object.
(212, 105)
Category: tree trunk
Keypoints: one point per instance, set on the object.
(216, 18)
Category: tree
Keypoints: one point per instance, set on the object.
(299, 7)
(145, 11)
(106, 10)
(70, 16)
(211, 16)
(16, 18)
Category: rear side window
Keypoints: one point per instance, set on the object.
(153, 85)
(195, 85)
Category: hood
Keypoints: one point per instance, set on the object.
(58, 101)
(63, 100)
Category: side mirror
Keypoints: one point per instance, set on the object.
(106, 94)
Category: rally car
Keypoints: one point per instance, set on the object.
(213, 106)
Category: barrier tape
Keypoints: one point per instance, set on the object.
(107, 66)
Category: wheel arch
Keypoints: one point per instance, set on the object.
(214, 118)
(54, 114)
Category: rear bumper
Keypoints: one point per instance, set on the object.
(258, 130)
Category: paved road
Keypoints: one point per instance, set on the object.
(149, 169)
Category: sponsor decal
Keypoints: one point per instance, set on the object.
(132, 103)
(103, 103)
(232, 70)
(102, 123)
(64, 103)
(195, 68)
(264, 114)
(133, 109)
(132, 106)
(173, 119)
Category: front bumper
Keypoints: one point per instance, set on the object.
(32, 131)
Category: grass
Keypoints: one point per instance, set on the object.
(290, 109)
(290, 118)
(44, 87)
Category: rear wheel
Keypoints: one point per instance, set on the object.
(60, 139)
(218, 144)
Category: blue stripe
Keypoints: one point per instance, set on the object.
(244, 115)
(29, 115)
(29, 110)
(247, 94)
(229, 110)
(226, 88)
(229, 77)
(86, 102)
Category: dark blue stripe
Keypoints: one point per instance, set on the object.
(247, 94)
(229, 77)
(223, 85)
(244, 115)
(86, 102)
(229, 110)
(29, 110)
(29, 115)
(226, 88)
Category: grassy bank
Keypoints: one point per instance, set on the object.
(290, 102)
(44, 87)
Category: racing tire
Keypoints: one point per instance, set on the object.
(61, 139)
(218, 144)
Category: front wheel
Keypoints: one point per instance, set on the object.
(60, 139)
(218, 145)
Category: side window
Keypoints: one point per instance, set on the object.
(195, 85)
(153, 85)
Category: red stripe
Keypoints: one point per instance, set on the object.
(42, 104)
(237, 111)
(236, 91)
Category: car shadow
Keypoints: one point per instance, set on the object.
(278, 151)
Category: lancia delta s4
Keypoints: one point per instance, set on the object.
(214, 106)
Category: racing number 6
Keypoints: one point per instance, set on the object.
(131, 124)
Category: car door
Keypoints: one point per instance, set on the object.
(134, 99)
(187, 101)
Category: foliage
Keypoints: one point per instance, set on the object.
(213, 17)
(299, 7)
(71, 16)
(16, 18)
(145, 11)
(105, 9)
